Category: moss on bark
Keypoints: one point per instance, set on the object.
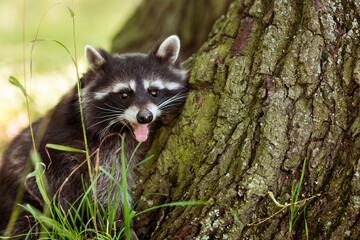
(276, 82)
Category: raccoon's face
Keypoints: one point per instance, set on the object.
(132, 90)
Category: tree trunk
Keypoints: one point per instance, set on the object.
(276, 83)
(156, 19)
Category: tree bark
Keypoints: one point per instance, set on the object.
(276, 83)
(156, 19)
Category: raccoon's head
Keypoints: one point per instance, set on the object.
(132, 90)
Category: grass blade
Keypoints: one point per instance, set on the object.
(143, 161)
(132, 155)
(58, 42)
(274, 200)
(124, 189)
(64, 148)
(301, 179)
(16, 83)
(173, 204)
(149, 194)
(49, 223)
(72, 14)
(292, 206)
(306, 227)
(40, 176)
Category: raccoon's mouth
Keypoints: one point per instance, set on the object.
(141, 131)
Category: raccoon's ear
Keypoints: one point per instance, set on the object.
(169, 49)
(93, 57)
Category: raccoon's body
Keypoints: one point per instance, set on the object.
(121, 94)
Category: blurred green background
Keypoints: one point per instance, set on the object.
(53, 72)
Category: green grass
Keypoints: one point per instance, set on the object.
(55, 223)
(296, 207)
(295, 211)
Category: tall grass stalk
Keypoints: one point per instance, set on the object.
(295, 192)
(24, 73)
(296, 208)
(124, 171)
(75, 62)
(79, 87)
(21, 190)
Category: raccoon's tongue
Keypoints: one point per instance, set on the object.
(141, 132)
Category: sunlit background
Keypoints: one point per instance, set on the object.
(53, 72)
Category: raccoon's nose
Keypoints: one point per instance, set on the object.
(144, 116)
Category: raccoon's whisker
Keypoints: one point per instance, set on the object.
(109, 115)
(170, 105)
(104, 132)
(126, 124)
(167, 101)
(115, 108)
(108, 110)
(105, 120)
(176, 97)
(173, 99)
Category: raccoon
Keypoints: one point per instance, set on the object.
(122, 95)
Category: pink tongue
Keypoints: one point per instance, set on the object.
(141, 132)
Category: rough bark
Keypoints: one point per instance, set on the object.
(276, 82)
(155, 19)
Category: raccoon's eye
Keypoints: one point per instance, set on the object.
(124, 95)
(154, 93)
